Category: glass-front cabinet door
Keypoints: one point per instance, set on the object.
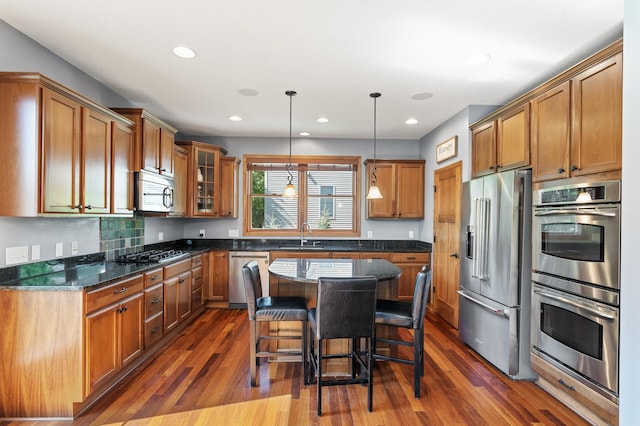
(206, 168)
(203, 178)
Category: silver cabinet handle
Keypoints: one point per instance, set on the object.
(501, 312)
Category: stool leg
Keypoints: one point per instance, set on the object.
(252, 352)
(417, 363)
(319, 379)
(303, 351)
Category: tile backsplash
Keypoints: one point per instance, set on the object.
(121, 235)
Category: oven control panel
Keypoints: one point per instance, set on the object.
(581, 193)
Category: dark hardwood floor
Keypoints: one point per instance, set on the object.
(203, 378)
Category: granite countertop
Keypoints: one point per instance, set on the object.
(92, 271)
(309, 270)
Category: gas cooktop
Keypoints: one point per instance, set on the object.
(152, 256)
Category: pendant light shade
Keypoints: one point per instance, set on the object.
(374, 191)
(289, 189)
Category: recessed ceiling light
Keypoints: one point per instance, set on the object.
(304, 134)
(322, 120)
(478, 59)
(184, 52)
(235, 118)
(421, 96)
(411, 121)
(248, 92)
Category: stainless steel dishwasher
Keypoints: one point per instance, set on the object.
(237, 260)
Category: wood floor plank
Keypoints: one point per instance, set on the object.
(203, 378)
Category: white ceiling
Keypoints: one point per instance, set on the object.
(332, 52)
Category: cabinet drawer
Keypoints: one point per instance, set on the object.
(153, 300)
(177, 268)
(102, 297)
(153, 330)
(154, 277)
(196, 261)
(410, 258)
(196, 278)
(376, 255)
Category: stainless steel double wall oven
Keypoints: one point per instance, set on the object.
(576, 281)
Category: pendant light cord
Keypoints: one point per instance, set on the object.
(375, 97)
(291, 94)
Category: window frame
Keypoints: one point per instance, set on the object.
(299, 167)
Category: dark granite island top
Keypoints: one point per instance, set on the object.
(309, 270)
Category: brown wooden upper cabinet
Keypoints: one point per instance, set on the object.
(180, 184)
(228, 187)
(401, 183)
(62, 153)
(153, 141)
(577, 126)
(503, 143)
(210, 180)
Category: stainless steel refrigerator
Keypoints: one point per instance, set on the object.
(495, 270)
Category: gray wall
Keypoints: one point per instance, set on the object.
(630, 289)
(237, 147)
(458, 125)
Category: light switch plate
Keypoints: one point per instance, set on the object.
(58, 249)
(160, 236)
(15, 255)
(74, 247)
(369, 234)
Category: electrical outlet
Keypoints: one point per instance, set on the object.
(58, 249)
(15, 255)
(202, 233)
(35, 252)
(234, 233)
(410, 234)
(369, 234)
(160, 236)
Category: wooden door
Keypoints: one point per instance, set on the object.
(550, 133)
(150, 156)
(60, 154)
(446, 257)
(122, 143)
(102, 347)
(410, 191)
(386, 180)
(219, 277)
(170, 304)
(483, 149)
(165, 153)
(96, 162)
(131, 320)
(184, 295)
(512, 144)
(227, 195)
(597, 119)
(180, 182)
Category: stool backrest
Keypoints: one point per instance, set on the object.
(252, 286)
(346, 307)
(420, 295)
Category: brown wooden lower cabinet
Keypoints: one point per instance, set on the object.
(114, 332)
(218, 284)
(597, 409)
(411, 264)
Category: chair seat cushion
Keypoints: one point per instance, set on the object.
(281, 309)
(391, 312)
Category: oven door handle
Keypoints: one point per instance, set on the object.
(577, 304)
(575, 212)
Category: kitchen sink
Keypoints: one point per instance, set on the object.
(302, 248)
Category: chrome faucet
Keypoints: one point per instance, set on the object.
(302, 240)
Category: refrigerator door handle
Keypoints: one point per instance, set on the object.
(500, 312)
(480, 243)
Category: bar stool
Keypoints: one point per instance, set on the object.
(345, 308)
(265, 309)
(408, 315)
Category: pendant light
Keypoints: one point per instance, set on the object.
(374, 191)
(289, 189)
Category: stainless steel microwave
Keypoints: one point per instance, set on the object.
(153, 193)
